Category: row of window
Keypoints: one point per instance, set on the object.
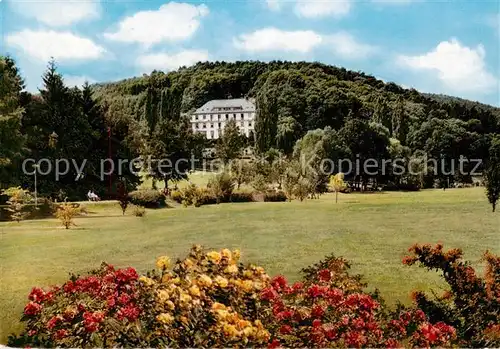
(204, 125)
(212, 134)
(219, 117)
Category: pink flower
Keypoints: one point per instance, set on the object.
(317, 311)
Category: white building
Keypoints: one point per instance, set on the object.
(211, 118)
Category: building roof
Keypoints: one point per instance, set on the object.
(215, 105)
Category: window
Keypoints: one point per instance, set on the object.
(212, 134)
(234, 116)
(204, 125)
(211, 125)
(249, 124)
(227, 116)
(241, 116)
(218, 117)
(219, 125)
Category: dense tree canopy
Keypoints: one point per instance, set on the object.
(146, 115)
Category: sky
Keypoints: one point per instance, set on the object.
(450, 47)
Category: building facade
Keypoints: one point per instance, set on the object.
(212, 117)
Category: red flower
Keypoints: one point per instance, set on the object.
(317, 291)
(111, 301)
(278, 282)
(31, 333)
(325, 275)
(269, 294)
(285, 329)
(284, 315)
(130, 312)
(392, 344)
(60, 334)
(354, 339)
(37, 295)
(316, 323)
(124, 298)
(297, 286)
(317, 311)
(32, 308)
(274, 344)
(69, 287)
(126, 275)
(335, 296)
(53, 322)
(91, 320)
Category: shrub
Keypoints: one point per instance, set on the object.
(177, 196)
(242, 197)
(260, 183)
(275, 196)
(222, 186)
(148, 198)
(139, 211)
(472, 304)
(18, 199)
(66, 212)
(98, 310)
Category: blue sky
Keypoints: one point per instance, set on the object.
(450, 47)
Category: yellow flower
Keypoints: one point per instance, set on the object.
(214, 257)
(236, 254)
(231, 269)
(221, 281)
(176, 281)
(185, 298)
(165, 318)
(217, 306)
(147, 281)
(248, 274)
(163, 296)
(188, 263)
(248, 331)
(162, 262)
(230, 331)
(260, 270)
(226, 253)
(184, 320)
(205, 280)
(170, 305)
(247, 285)
(258, 285)
(166, 278)
(195, 291)
(222, 314)
(244, 323)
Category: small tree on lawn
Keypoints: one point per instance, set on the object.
(123, 198)
(337, 183)
(18, 199)
(66, 212)
(492, 173)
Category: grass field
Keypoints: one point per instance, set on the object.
(373, 230)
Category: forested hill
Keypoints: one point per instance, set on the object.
(292, 98)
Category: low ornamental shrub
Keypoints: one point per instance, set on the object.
(242, 197)
(211, 299)
(98, 310)
(148, 198)
(67, 211)
(275, 196)
(472, 303)
(139, 211)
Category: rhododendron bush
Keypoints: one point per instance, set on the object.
(211, 299)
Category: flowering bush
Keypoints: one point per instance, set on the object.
(96, 310)
(472, 304)
(210, 299)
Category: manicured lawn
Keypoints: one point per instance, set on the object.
(373, 230)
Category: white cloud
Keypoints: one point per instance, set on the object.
(459, 68)
(274, 5)
(63, 46)
(171, 22)
(165, 61)
(57, 13)
(77, 80)
(322, 8)
(272, 39)
(346, 46)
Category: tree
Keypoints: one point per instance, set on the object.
(11, 139)
(337, 183)
(230, 144)
(122, 196)
(18, 199)
(241, 172)
(492, 173)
